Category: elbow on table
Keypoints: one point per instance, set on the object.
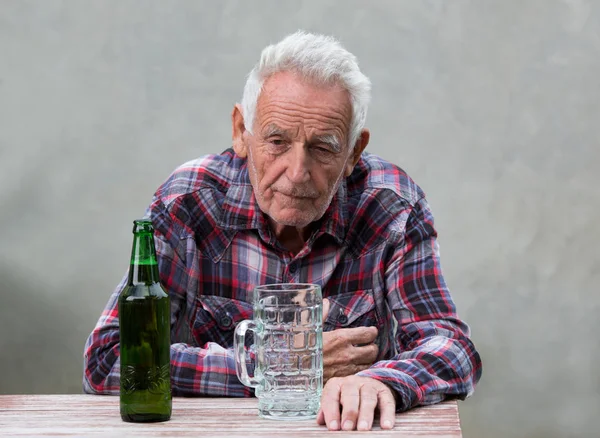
(466, 368)
(454, 346)
(90, 386)
(99, 378)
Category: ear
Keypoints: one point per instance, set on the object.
(359, 147)
(238, 131)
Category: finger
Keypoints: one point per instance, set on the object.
(365, 354)
(330, 404)
(350, 400)
(326, 305)
(387, 408)
(368, 403)
(320, 417)
(360, 335)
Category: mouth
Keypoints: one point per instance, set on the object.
(295, 192)
(302, 197)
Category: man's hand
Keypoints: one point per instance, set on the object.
(357, 398)
(347, 351)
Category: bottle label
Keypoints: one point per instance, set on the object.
(153, 379)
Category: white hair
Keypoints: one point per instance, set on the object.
(318, 58)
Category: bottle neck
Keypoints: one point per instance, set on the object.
(144, 267)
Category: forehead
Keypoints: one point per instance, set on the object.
(288, 100)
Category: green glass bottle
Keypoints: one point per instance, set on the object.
(144, 328)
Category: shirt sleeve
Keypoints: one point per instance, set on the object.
(195, 370)
(436, 358)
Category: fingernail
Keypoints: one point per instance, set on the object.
(387, 424)
(363, 425)
(348, 425)
(333, 425)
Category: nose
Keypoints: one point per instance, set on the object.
(298, 169)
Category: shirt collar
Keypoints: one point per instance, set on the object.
(240, 210)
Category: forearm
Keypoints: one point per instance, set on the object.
(195, 371)
(442, 363)
(207, 371)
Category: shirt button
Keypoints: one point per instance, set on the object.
(343, 319)
(293, 268)
(226, 322)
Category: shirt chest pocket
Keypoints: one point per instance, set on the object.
(216, 318)
(352, 309)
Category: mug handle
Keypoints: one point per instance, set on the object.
(239, 351)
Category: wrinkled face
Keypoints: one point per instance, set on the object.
(298, 152)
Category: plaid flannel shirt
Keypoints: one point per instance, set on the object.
(374, 253)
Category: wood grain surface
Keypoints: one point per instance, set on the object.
(93, 415)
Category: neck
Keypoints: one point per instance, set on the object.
(292, 238)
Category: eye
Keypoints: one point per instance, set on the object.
(277, 141)
(322, 149)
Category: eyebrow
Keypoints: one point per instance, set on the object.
(329, 139)
(273, 129)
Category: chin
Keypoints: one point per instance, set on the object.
(294, 218)
(298, 215)
(293, 221)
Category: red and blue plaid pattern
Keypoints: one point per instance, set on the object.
(374, 253)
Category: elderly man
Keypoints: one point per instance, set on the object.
(298, 200)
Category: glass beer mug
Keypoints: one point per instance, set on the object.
(288, 345)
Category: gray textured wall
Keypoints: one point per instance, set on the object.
(492, 106)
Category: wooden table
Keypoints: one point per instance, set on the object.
(94, 415)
